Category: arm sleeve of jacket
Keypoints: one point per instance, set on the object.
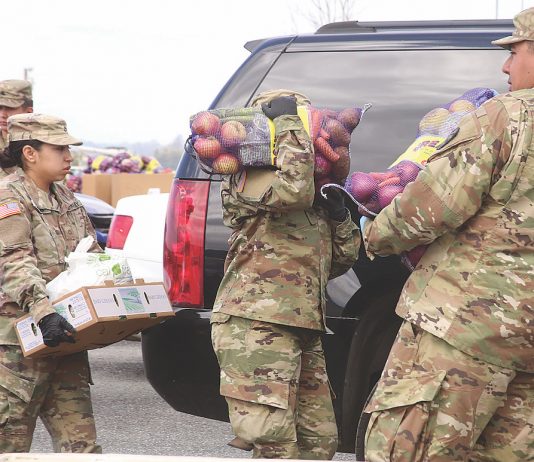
(22, 280)
(345, 246)
(450, 189)
(293, 185)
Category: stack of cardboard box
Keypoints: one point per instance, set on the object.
(112, 187)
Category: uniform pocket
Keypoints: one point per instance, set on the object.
(13, 383)
(15, 395)
(219, 318)
(400, 410)
(266, 392)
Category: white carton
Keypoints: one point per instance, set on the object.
(101, 315)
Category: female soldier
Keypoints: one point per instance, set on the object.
(41, 222)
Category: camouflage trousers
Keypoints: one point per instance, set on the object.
(275, 383)
(435, 403)
(54, 389)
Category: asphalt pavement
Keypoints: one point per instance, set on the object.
(132, 419)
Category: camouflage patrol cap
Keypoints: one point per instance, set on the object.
(46, 128)
(269, 95)
(14, 93)
(524, 29)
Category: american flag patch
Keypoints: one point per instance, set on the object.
(9, 208)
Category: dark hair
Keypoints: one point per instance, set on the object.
(12, 154)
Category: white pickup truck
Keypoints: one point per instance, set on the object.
(136, 233)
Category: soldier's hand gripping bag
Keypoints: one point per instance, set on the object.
(373, 191)
(228, 140)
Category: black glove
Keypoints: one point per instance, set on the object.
(283, 105)
(55, 329)
(334, 204)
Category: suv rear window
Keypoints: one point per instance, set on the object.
(401, 85)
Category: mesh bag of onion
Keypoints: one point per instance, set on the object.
(373, 191)
(226, 141)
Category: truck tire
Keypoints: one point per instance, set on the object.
(361, 430)
(369, 349)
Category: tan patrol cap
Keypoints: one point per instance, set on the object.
(266, 96)
(46, 128)
(14, 93)
(524, 29)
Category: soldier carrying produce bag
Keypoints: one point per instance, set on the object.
(459, 381)
(41, 222)
(269, 313)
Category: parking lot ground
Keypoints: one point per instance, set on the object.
(132, 419)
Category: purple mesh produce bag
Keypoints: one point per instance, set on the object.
(373, 191)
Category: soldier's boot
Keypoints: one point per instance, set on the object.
(276, 451)
(238, 443)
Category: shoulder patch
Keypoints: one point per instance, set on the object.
(438, 150)
(449, 138)
(9, 208)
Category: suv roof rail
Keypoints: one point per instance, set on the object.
(343, 27)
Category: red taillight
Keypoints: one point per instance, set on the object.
(118, 231)
(183, 248)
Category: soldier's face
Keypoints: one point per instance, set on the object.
(50, 162)
(520, 66)
(6, 112)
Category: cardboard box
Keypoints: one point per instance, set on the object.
(101, 315)
(112, 187)
(131, 184)
(98, 185)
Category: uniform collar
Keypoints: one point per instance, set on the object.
(40, 199)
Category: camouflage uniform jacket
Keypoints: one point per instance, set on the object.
(474, 286)
(33, 246)
(3, 145)
(5, 171)
(282, 249)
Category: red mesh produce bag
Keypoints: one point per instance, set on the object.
(225, 141)
(373, 191)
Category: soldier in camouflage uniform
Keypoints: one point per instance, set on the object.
(15, 98)
(269, 313)
(459, 381)
(41, 222)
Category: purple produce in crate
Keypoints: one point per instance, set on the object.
(105, 164)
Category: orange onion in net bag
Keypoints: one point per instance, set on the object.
(226, 164)
(205, 123)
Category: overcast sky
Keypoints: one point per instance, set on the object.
(134, 70)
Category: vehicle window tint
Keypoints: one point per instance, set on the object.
(401, 85)
(239, 89)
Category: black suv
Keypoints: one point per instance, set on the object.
(404, 69)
